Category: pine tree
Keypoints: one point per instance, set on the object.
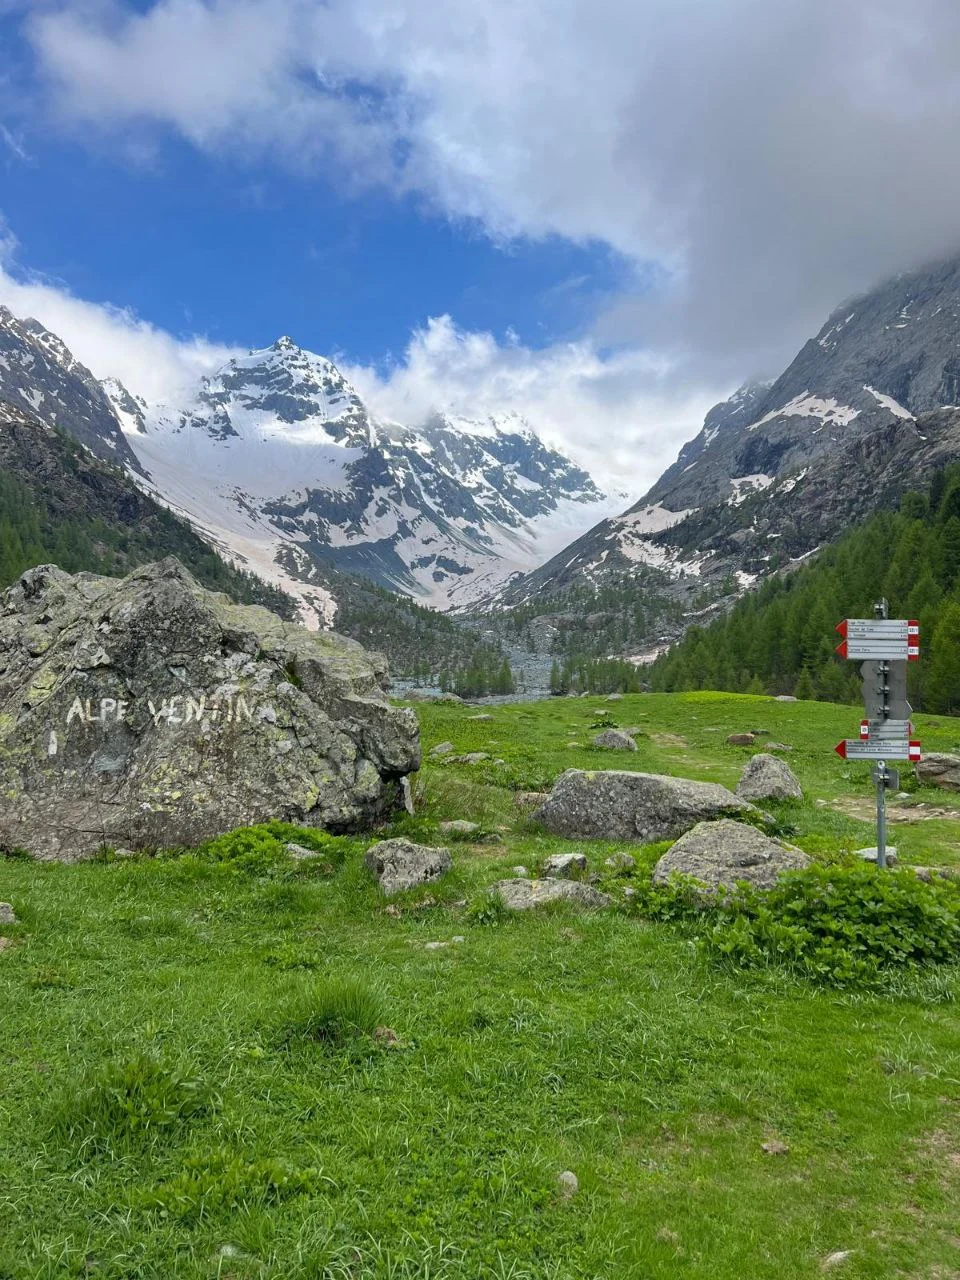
(804, 689)
(942, 683)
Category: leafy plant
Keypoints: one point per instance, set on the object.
(123, 1102)
(261, 849)
(487, 908)
(840, 924)
(223, 1180)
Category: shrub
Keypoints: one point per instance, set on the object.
(261, 850)
(336, 1009)
(840, 924)
(123, 1102)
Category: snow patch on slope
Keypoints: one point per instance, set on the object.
(808, 406)
(888, 402)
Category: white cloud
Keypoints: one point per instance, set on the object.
(773, 156)
(109, 340)
(619, 415)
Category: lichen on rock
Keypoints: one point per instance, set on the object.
(150, 712)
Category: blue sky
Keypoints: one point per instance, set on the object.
(603, 216)
(199, 245)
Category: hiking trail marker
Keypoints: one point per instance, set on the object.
(885, 646)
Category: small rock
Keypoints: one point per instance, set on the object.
(571, 746)
(928, 873)
(460, 827)
(774, 1147)
(939, 769)
(520, 871)
(870, 854)
(124, 853)
(482, 716)
(834, 1259)
(401, 864)
(458, 937)
(386, 1037)
(569, 1184)
(614, 697)
(522, 895)
(629, 891)
(300, 851)
(615, 740)
(767, 778)
(740, 740)
(442, 749)
(530, 799)
(407, 792)
(620, 863)
(784, 697)
(563, 866)
(6, 914)
(5, 942)
(491, 837)
(471, 757)
(391, 909)
(434, 946)
(777, 746)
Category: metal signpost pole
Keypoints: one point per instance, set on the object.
(882, 610)
(886, 732)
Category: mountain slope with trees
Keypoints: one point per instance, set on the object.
(781, 638)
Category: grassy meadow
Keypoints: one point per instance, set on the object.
(261, 1069)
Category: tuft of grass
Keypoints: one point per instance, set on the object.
(119, 1104)
(336, 1009)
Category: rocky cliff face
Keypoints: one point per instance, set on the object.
(278, 458)
(40, 376)
(149, 712)
(782, 467)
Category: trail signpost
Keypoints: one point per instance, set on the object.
(884, 646)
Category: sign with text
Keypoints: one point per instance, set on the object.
(878, 749)
(886, 639)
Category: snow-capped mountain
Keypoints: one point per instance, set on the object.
(279, 462)
(781, 467)
(40, 376)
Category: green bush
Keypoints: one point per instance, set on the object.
(222, 1180)
(135, 1101)
(336, 1009)
(261, 850)
(839, 924)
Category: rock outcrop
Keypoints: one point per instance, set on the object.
(524, 895)
(149, 712)
(940, 770)
(724, 852)
(614, 740)
(767, 778)
(401, 864)
(617, 805)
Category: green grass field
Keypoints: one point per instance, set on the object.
(166, 1112)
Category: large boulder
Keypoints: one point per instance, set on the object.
(725, 852)
(611, 804)
(940, 770)
(401, 864)
(524, 895)
(147, 711)
(767, 778)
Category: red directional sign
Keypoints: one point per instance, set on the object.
(879, 749)
(883, 639)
